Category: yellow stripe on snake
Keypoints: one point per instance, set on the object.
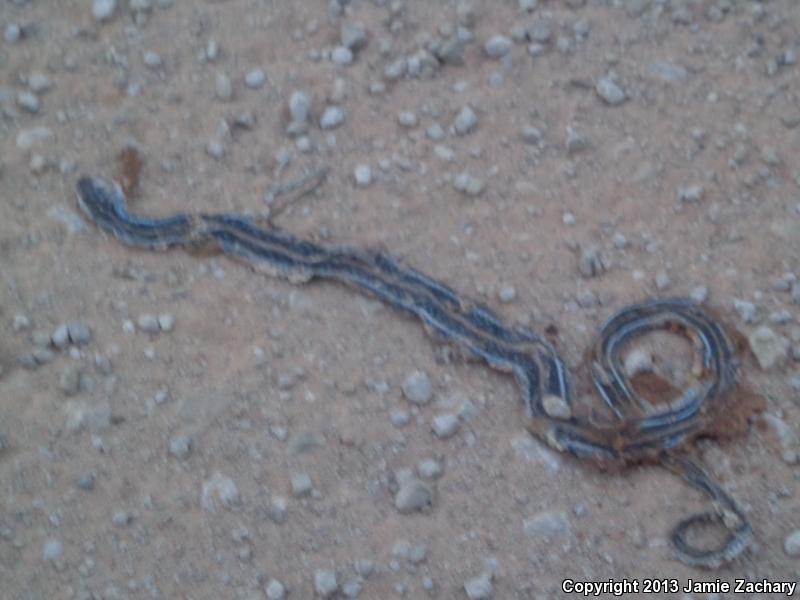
(630, 431)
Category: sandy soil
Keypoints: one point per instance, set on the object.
(270, 379)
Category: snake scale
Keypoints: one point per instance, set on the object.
(627, 430)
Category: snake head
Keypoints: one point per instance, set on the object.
(99, 199)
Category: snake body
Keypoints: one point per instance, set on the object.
(627, 431)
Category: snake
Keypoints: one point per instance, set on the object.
(624, 429)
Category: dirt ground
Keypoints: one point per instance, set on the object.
(663, 134)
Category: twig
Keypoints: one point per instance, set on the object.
(293, 190)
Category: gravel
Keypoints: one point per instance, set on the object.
(362, 175)
(770, 349)
(791, 545)
(465, 121)
(52, 550)
(342, 56)
(413, 496)
(479, 588)
(152, 60)
(301, 485)
(556, 407)
(446, 425)
(103, 10)
(299, 106)
(180, 446)
(591, 263)
(353, 36)
(29, 102)
(417, 388)
(223, 87)
(332, 117)
(325, 583)
(498, 46)
(255, 79)
(219, 489)
(275, 590)
(610, 91)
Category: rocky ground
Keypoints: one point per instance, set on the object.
(181, 427)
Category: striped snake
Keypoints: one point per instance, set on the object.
(627, 430)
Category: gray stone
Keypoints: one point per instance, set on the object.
(498, 46)
(122, 518)
(407, 119)
(325, 583)
(353, 36)
(507, 294)
(342, 55)
(540, 30)
(166, 322)
(278, 508)
(396, 69)
(180, 446)
(364, 567)
(60, 337)
(362, 175)
(352, 588)
(39, 83)
(770, 349)
(547, 526)
(791, 545)
(103, 10)
(275, 590)
(219, 489)
(468, 184)
(699, 294)
(12, 33)
(446, 426)
(668, 71)
(610, 91)
(417, 388)
(638, 361)
(29, 102)
(465, 121)
(299, 106)
(746, 310)
(662, 281)
(332, 117)
(429, 468)
(52, 550)
(591, 263)
(413, 496)
(556, 407)
(69, 380)
(148, 323)
(576, 142)
(255, 78)
(80, 416)
(223, 87)
(152, 60)
(479, 588)
(691, 193)
(301, 485)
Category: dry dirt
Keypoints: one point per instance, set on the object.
(711, 100)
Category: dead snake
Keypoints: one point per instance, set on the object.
(628, 430)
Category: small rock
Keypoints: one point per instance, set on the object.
(254, 79)
(219, 488)
(152, 60)
(556, 407)
(342, 56)
(325, 583)
(301, 485)
(791, 545)
(29, 102)
(638, 361)
(610, 92)
(699, 294)
(364, 567)
(278, 508)
(180, 446)
(69, 381)
(498, 46)
(332, 117)
(363, 175)
(662, 281)
(223, 87)
(407, 119)
(446, 426)
(60, 337)
(275, 590)
(507, 294)
(413, 496)
(122, 518)
(468, 184)
(352, 588)
(27, 138)
(770, 349)
(148, 323)
(96, 419)
(417, 388)
(479, 588)
(300, 107)
(692, 193)
(576, 142)
(39, 83)
(86, 482)
(429, 468)
(103, 10)
(465, 121)
(166, 322)
(746, 310)
(547, 526)
(353, 36)
(12, 33)
(52, 550)
(591, 263)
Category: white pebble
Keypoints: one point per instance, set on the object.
(52, 550)
(332, 117)
(103, 10)
(152, 60)
(148, 323)
(362, 175)
(466, 121)
(479, 588)
(417, 388)
(498, 46)
(255, 79)
(275, 590)
(299, 106)
(609, 91)
(29, 102)
(325, 583)
(166, 322)
(446, 425)
(638, 361)
(39, 82)
(342, 56)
